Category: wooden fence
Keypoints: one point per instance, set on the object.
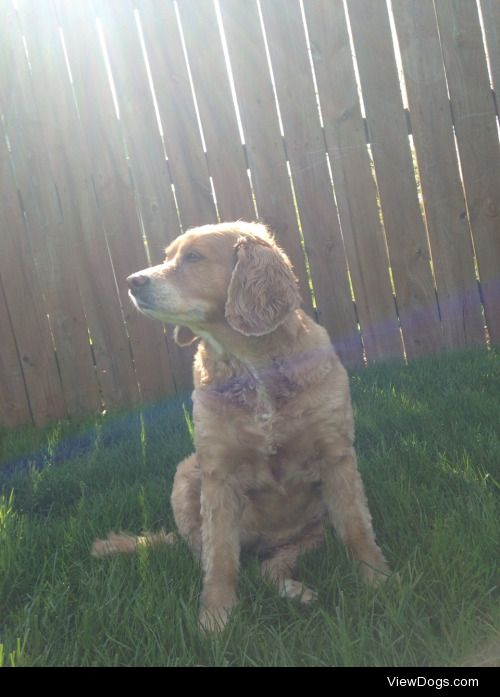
(124, 122)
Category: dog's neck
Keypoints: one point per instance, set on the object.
(226, 344)
(281, 362)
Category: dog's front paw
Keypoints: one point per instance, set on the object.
(214, 619)
(375, 576)
(296, 590)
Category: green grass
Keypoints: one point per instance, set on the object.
(428, 441)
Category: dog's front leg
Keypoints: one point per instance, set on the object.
(220, 513)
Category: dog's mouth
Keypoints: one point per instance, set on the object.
(149, 308)
(143, 305)
(162, 310)
(140, 303)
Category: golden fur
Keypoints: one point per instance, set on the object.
(272, 414)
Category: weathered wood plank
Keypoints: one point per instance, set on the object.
(42, 175)
(477, 135)
(88, 255)
(264, 143)
(491, 17)
(117, 198)
(186, 159)
(14, 405)
(355, 187)
(226, 159)
(28, 316)
(404, 227)
(432, 129)
(306, 150)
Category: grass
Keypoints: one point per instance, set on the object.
(428, 440)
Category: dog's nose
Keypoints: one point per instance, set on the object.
(137, 281)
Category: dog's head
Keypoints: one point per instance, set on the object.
(232, 272)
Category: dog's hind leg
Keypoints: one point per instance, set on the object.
(186, 502)
(345, 498)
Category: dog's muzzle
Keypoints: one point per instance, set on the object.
(140, 289)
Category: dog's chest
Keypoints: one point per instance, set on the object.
(258, 415)
(268, 430)
(265, 416)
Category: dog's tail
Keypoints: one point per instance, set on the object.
(122, 543)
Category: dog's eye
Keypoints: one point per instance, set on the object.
(192, 256)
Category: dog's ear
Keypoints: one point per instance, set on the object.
(263, 289)
(183, 336)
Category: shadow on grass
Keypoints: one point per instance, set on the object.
(67, 441)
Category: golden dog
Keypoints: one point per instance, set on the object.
(272, 416)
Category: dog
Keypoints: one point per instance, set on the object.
(274, 456)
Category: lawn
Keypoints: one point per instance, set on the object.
(428, 441)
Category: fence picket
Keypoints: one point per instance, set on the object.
(264, 143)
(477, 136)
(306, 151)
(23, 296)
(119, 200)
(226, 160)
(186, 159)
(355, 188)
(406, 236)
(14, 406)
(491, 18)
(432, 129)
(89, 257)
(43, 174)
